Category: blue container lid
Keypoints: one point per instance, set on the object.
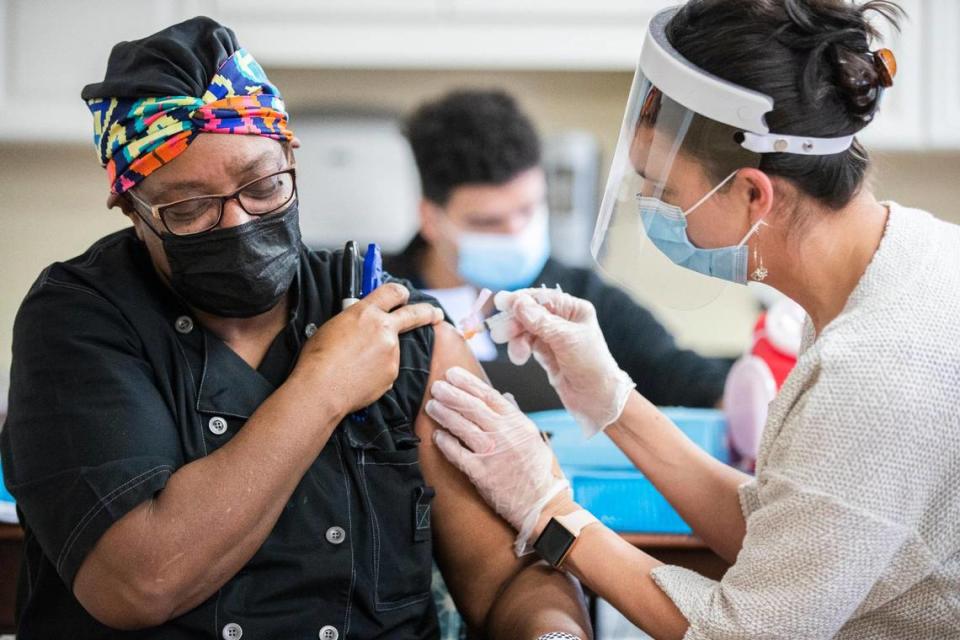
(4, 494)
(8, 510)
(706, 427)
(626, 502)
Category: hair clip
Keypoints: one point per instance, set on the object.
(886, 65)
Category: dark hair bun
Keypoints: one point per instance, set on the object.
(836, 35)
(858, 82)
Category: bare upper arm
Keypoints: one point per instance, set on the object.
(473, 545)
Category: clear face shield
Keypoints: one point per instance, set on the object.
(673, 225)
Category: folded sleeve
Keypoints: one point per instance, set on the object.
(749, 502)
(89, 435)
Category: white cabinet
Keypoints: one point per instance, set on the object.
(443, 34)
(943, 79)
(922, 109)
(900, 124)
(338, 10)
(50, 49)
(560, 9)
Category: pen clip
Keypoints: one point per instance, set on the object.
(349, 278)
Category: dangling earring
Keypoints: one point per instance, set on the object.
(760, 273)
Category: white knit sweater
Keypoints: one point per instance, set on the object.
(853, 521)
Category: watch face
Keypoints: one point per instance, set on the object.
(554, 543)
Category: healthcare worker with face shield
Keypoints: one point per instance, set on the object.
(737, 160)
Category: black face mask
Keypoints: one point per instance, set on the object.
(238, 272)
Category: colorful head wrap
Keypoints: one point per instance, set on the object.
(137, 134)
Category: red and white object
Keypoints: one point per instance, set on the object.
(756, 377)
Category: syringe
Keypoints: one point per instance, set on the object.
(498, 324)
(472, 323)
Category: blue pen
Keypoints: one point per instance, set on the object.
(372, 269)
(371, 279)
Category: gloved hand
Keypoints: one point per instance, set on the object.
(498, 448)
(563, 335)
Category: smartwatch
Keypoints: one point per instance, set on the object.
(560, 534)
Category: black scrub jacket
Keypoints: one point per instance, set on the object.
(114, 386)
(665, 374)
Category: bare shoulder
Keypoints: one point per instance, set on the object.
(473, 546)
(450, 349)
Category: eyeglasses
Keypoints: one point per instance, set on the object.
(191, 216)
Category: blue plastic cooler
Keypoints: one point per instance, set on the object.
(606, 483)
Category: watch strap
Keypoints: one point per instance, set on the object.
(577, 521)
(561, 534)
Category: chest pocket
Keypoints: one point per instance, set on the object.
(396, 504)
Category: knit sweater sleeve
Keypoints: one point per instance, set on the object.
(818, 550)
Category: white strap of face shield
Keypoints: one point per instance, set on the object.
(801, 145)
(709, 194)
(752, 230)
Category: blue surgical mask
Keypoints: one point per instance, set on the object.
(504, 261)
(666, 226)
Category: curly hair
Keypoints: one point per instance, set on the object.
(470, 137)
